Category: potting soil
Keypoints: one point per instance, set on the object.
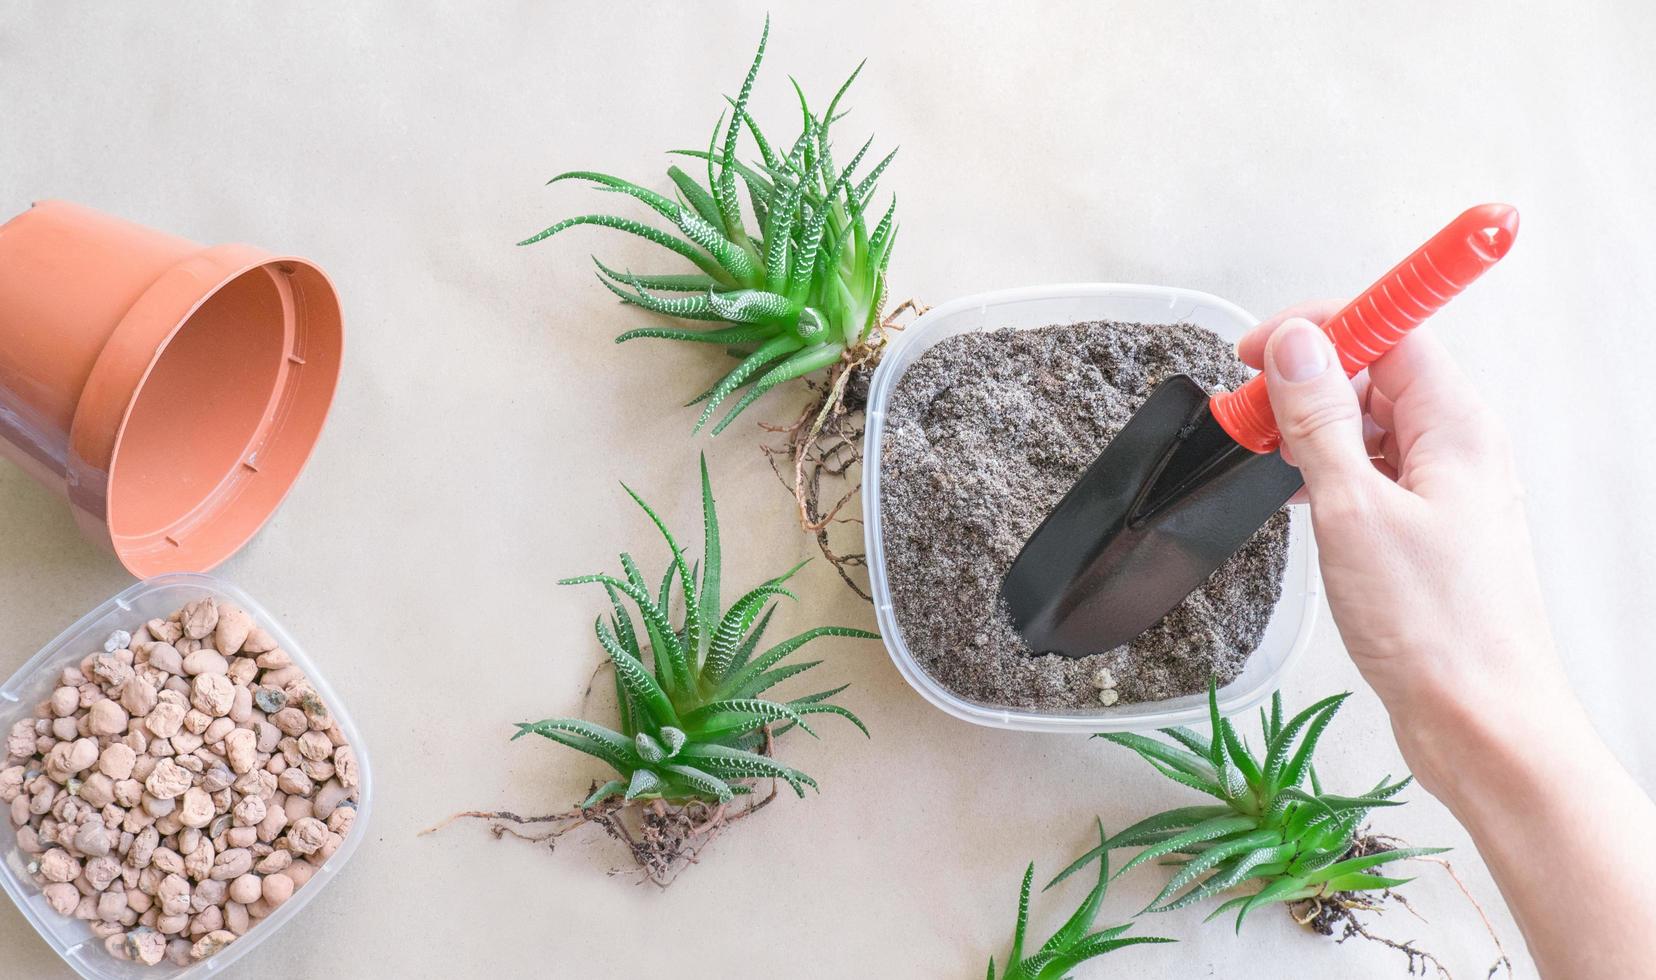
(986, 432)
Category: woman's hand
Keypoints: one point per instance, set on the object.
(1424, 547)
(1425, 553)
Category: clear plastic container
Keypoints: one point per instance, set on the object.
(1291, 621)
(151, 599)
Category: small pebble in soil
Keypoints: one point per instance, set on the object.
(985, 433)
(141, 828)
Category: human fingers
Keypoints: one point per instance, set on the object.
(1428, 393)
(1251, 348)
(1317, 412)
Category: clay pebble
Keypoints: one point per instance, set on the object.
(178, 785)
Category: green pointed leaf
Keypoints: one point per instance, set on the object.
(1281, 890)
(663, 639)
(1210, 858)
(642, 689)
(731, 258)
(819, 696)
(708, 608)
(688, 282)
(1301, 762)
(664, 206)
(771, 678)
(1195, 743)
(683, 307)
(721, 719)
(1022, 925)
(739, 334)
(1212, 789)
(640, 230)
(1233, 873)
(1365, 883)
(695, 195)
(582, 736)
(1208, 830)
(702, 782)
(1277, 754)
(879, 243)
(745, 651)
(1151, 750)
(1239, 754)
(1075, 927)
(1367, 861)
(624, 632)
(746, 675)
(1092, 948)
(729, 763)
(1227, 906)
(784, 209)
(693, 627)
(830, 709)
(751, 306)
(603, 793)
(769, 351)
(643, 782)
(1143, 832)
(726, 184)
(800, 364)
(735, 625)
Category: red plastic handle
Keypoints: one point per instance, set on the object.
(1374, 322)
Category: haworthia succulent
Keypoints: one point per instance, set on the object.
(1291, 841)
(806, 270)
(689, 728)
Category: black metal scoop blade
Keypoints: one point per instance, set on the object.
(1164, 505)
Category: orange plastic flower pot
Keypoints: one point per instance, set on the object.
(170, 391)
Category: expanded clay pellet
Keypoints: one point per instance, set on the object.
(178, 785)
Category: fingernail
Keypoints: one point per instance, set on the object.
(1299, 351)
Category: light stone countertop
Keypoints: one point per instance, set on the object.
(1262, 152)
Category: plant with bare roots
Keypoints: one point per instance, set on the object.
(1294, 842)
(1275, 830)
(793, 293)
(696, 729)
(819, 457)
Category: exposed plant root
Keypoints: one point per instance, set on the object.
(1337, 914)
(662, 838)
(825, 441)
(1503, 961)
(592, 682)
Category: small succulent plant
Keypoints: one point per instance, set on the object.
(1297, 844)
(690, 727)
(1074, 943)
(792, 294)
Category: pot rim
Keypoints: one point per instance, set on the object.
(152, 324)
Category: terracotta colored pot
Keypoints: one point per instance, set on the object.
(171, 391)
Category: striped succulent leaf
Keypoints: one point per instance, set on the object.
(690, 727)
(1075, 942)
(793, 291)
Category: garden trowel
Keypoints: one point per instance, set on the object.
(1193, 475)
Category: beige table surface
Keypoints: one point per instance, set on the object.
(1266, 153)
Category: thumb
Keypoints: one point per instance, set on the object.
(1316, 409)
